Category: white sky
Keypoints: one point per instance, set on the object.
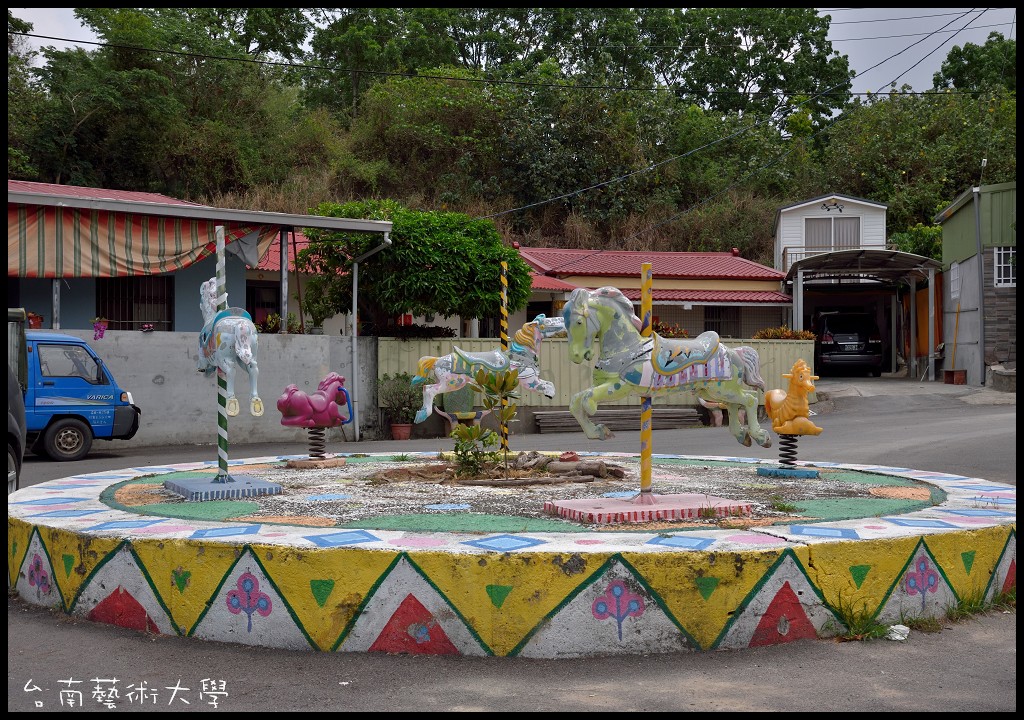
(869, 36)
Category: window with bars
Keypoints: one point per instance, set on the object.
(128, 303)
(1005, 266)
(723, 320)
(262, 299)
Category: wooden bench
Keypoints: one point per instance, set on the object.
(619, 419)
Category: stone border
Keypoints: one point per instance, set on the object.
(542, 595)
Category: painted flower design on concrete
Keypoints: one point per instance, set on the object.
(248, 599)
(618, 602)
(38, 577)
(923, 579)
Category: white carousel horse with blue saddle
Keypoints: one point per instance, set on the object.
(228, 340)
(457, 369)
(631, 364)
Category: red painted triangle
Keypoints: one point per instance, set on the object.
(121, 609)
(413, 630)
(784, 621)
(1010, 583)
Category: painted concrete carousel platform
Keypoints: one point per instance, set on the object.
(107, 547)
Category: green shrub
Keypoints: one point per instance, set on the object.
(783, 332)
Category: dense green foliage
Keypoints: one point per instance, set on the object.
(635, 128)
(439, 263)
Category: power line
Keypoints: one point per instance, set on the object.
(703, 147)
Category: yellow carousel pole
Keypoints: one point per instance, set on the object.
(646, 402)
(504, 348)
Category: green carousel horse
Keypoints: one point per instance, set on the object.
(631, 364)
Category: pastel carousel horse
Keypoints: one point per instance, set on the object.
(457, 369)
(228, 340)
(631, 364)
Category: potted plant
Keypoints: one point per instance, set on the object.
(99, 327)
(400, 400)
(319, 308)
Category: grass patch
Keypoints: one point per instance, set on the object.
(858, 623)
(775, 502)
(401, 457)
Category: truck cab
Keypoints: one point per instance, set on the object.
(16, 380)
(71, 398)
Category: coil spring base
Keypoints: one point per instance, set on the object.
(317, 443)
(787, 449)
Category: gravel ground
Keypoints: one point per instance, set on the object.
(367, 488)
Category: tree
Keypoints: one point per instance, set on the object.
(980, 67)
(441, 263)
(918, 152)
(23, 99)
(923, 240)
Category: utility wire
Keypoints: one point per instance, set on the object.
(703, 147)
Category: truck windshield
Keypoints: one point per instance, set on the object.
(68, 361)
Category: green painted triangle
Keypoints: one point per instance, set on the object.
(14, 548)
(321, 590)
(498, 593)
(69, 562)
(858, 573)
(968, 558)
(706, 586)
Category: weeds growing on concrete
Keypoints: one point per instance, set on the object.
(778, 504)
(858, 623)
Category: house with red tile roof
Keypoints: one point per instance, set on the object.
(697, 291)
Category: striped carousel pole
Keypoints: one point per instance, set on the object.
(646, 409)
(222, 380)
(504, 348)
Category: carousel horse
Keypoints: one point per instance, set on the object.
(227, 341)
(631, 364)
(457, 369)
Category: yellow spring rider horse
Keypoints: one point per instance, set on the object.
(631, 364)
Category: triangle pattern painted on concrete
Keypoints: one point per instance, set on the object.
(125, 594)
(36, 582)
(921, 591)
(786, 604)
(391, 617)
(613, 614)
(498, 593)
(858, 573)
(1004, 577)
(784, 621)
(248, 609)
(412, 630)
(121, 609)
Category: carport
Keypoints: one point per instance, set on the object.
(884, 270)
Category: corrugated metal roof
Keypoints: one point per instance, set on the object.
(75, 191)
(272, 260)
(550, 284)
(712, 296)
(621, 263)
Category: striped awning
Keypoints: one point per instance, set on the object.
(55, 242)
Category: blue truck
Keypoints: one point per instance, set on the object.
(71, 398)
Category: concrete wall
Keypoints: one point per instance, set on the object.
(179, 404)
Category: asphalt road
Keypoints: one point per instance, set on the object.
(968, 666)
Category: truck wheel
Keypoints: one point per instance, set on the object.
(13, 471)
(67, 439)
